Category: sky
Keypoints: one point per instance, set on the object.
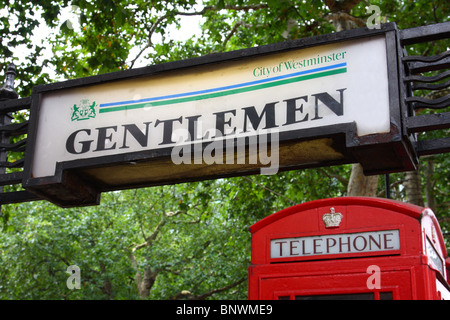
(71, 14)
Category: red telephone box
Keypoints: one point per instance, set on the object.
(349, 248)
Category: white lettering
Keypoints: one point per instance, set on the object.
(245, 309)
(263, 149)
(374, 21)
(374, 280)
(193, 310)
(74, 281)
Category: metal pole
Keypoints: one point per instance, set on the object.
(387, 183)
(7, 92)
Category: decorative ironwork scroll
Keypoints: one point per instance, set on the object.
(428, 73)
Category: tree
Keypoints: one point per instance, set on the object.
(175, 242)
(160, 243)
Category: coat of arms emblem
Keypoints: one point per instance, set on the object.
(83, 111)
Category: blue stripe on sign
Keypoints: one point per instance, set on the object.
(240, 85)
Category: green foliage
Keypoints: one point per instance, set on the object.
(43, 240)
(203, 244)
(192, 252)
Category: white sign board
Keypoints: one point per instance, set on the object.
(315, 87)
(362, 242)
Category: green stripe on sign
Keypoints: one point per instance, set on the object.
(224, 93)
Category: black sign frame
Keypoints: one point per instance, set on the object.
(76, 183)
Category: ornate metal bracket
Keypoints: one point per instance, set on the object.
(414, 79)
(10, 171)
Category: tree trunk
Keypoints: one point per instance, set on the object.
(361, 185)
(413, 188)
(145, 284)
(429, 187)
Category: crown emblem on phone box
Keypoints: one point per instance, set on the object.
(332, 219)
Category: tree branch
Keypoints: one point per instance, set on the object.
(149, 240)
(345, 5)
(145, 280)
(270, 190)
(185, 294)
(233, 31)
(335, 176)
(392, 186)
(342, 20)
(193, 13)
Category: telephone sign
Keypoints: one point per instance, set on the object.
(350, 243)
